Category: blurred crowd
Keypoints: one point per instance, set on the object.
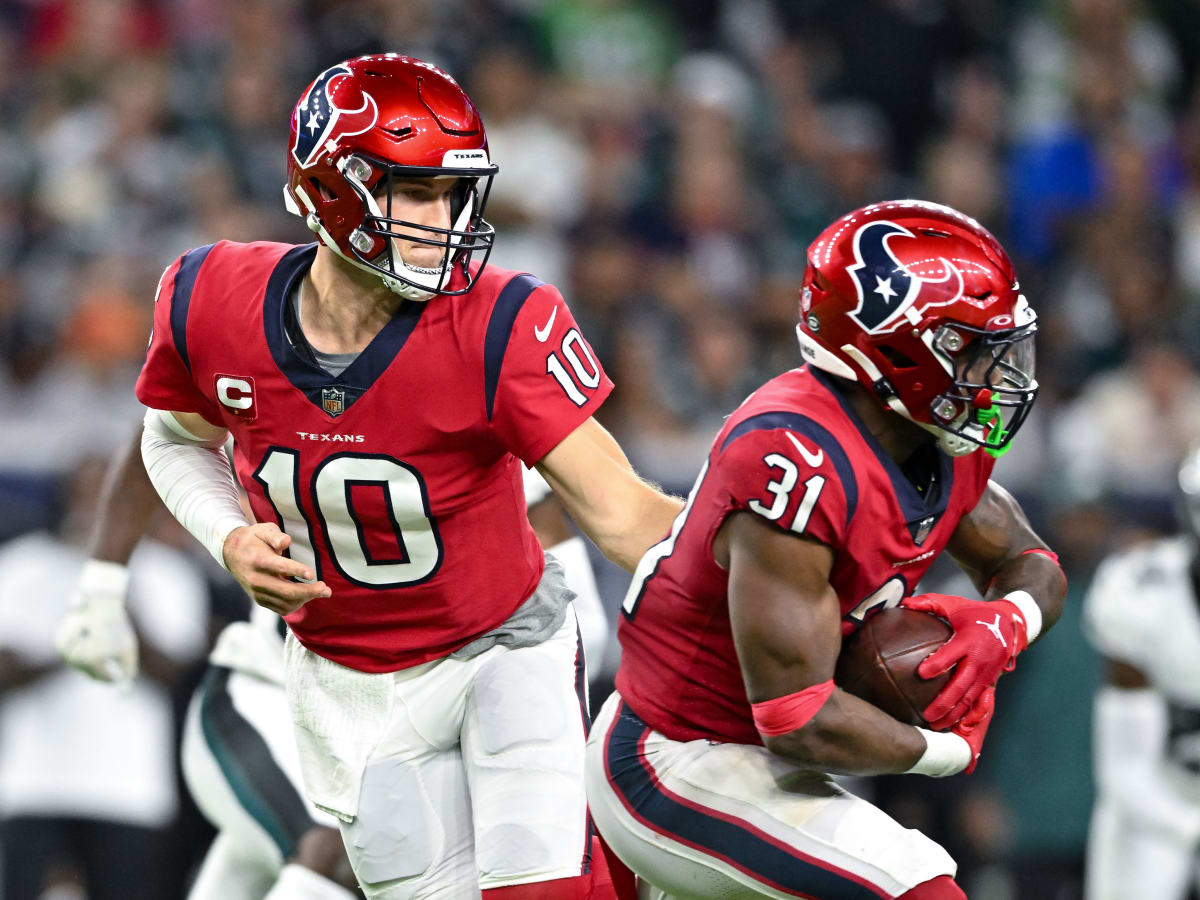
(666, 165)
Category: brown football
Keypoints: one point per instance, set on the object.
(879, 662)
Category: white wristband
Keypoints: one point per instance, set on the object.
(1030, 612)
(945, 754)
(101, 578)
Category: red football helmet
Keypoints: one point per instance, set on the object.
(920, 303)
(361, 125)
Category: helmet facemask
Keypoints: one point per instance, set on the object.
(992, 387)
(375, 243)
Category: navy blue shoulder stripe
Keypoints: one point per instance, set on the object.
(814, 431)
(181, 298)
(499, 330)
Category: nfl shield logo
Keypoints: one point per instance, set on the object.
(333, 401)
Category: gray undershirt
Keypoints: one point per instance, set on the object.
(534, 621)
(333, 363)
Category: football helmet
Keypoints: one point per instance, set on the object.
(360, 126)
(920, 304)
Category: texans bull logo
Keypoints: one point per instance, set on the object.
(886, 288)
(321, 121)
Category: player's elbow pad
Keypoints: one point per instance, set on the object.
(1130, 729)
(194, 480)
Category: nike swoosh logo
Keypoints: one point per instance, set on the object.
(813, 459)
(544, 332)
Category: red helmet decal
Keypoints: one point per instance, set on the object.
(888, 287)
(334, 107)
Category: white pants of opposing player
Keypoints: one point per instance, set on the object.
(452, 776)
(242, 768)
(1128, 859)
(701, 819)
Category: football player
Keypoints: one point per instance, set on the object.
(383, 386)
(239, 755)
(1142, 613)
(824, 499)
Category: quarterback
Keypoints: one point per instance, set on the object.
(824, 498)
(239, 753)
(383, 387)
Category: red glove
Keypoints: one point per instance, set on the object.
(987, 637)
(974, 725)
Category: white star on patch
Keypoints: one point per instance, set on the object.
(883, 287)
(314, 122)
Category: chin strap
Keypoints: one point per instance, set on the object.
(393, 284)
(948, 441)
(422, 283)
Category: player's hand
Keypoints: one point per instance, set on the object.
(254, 556)
(96, 636)
(973, 727)
(987, 637)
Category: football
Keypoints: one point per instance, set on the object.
(879, 662)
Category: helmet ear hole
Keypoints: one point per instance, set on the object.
(322, 191)
(897, 358)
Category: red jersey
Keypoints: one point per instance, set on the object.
(397, 480)
(796, 454)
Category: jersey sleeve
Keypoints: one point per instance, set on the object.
(1119, 616)
(799, 482)
(166, 381)
(542, 379)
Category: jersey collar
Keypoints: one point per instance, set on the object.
(333, 394)
(920, 511)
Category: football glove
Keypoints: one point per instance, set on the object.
(96, 636)
(973, 727)
(987, 637)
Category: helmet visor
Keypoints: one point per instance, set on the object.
(993, 386)
(1001, 364)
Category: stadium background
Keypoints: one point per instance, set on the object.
(666, 164)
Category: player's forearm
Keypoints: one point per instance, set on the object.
(1039, 576)
(1003, 555)
(194, 481)
(619, 512)
(633, 526)
(849, 736)
(785, 618)
(127, 503)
